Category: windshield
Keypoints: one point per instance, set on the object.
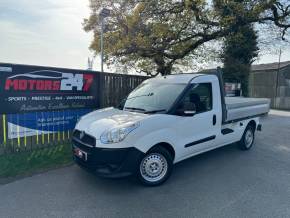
(153, 97)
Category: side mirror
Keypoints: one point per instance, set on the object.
(186, 109)
(189, 113)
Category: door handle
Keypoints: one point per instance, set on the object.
(214, 120)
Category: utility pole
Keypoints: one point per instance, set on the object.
(103, 14)
(102, 44)
(277, 78)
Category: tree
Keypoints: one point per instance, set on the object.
(156, 36)
(240, 47)
(239, 52)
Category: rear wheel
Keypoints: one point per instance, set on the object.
(156, 166)
(248, 138)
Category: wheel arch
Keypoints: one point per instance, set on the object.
(253, 124)
(167, 146)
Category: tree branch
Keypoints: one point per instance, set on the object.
(276, 18)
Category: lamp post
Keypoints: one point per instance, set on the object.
(102, 15)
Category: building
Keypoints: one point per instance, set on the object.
(271, 81)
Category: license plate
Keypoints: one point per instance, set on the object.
(80, 154)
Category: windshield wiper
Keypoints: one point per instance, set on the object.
(135, 109)
(154, 111)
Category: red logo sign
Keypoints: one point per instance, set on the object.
(49, 80)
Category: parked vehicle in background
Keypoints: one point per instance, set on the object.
(162, 122)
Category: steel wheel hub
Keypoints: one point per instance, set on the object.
(153, 167)
(249, 137)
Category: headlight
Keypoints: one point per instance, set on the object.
(118, 134)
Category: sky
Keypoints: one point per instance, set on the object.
(44, 32)
(49, 33)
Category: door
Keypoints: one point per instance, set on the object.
(197, 126)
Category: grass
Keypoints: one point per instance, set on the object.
(27, 163)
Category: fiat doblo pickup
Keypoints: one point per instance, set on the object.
(162, 122)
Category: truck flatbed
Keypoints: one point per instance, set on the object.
(240, 107)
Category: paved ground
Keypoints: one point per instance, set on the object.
(222, 183)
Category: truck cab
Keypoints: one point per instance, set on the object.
(163, 121)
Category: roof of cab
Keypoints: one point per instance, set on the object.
(175, 78)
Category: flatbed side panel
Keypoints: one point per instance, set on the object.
(246, 112)
(238, 102)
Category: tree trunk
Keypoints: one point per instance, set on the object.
(163, 68)
(245, 84)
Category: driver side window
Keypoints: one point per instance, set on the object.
(198, 99)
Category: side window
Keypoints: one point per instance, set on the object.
(198, 98)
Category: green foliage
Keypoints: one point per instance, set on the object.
(240, 50)
(160, 36)
(241, 46)
(26, 163)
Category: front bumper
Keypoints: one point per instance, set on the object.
(108, 162)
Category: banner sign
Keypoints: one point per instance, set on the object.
(26, 88)
(36, 123)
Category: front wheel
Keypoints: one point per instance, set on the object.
(248, 138)
(156, 166)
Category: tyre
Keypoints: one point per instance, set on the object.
(155, 167)
(248, 138)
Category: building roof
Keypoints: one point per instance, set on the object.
(261, 67)
(270, 66)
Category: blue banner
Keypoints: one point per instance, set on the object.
(29, 124)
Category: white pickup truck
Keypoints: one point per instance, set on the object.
(163, 121)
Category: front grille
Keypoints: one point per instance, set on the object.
(86, 139)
